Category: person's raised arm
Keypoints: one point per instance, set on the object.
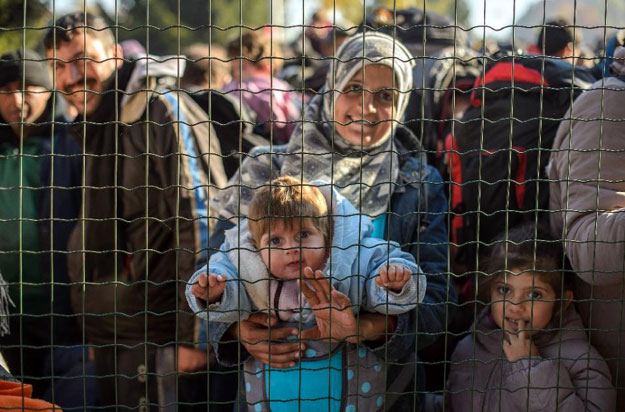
(586, 171)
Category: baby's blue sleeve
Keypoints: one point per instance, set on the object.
(382, 300)
(234, 305)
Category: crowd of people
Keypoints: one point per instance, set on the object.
(355, 228)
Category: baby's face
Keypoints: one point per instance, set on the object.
(286, 251)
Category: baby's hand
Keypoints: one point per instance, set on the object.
(519, 345)
(211, 286)
(393, 277)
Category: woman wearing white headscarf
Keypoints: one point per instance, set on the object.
(351, 137)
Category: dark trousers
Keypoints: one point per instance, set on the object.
(214, 390)
(128, 378)
(145, 378)
(26, 351)
(58, 369)
(75, 388)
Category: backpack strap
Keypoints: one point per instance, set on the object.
(195, 175)
(400, 383)
(206, 140)
(246, 116)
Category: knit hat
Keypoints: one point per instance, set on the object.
(16, 63)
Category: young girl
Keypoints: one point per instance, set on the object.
(528, 350)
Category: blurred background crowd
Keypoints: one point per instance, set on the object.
(254, 68)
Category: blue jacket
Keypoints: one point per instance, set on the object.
(355, 260)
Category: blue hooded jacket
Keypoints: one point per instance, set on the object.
(355, 260)
(417, 222)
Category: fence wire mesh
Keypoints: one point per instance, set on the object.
(298, 205)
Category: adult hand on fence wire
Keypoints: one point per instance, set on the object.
(258, 335)
(519, 345)
(332, 309)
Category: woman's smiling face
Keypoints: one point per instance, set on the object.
(366, 106)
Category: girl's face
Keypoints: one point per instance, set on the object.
(365, 107)
(523, 296)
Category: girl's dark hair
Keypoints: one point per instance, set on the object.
(526, 247)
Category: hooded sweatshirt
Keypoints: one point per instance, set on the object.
(354, 261)
(568, 375)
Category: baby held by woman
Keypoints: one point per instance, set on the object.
(303, 251)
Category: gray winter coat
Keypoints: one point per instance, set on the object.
(569, 375)
(588, 190)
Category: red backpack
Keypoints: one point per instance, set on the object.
(499, 151)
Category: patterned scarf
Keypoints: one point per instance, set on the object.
(365, 175)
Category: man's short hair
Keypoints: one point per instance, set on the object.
(65, 28)
(556, 35)
(288, 200)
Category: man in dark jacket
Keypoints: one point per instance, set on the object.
(39, 202)
(143, 216)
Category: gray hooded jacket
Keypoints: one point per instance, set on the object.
(569, 375)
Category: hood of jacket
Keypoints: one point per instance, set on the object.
(349, 228)
(150, 74)
(150, 66)
(617, 68)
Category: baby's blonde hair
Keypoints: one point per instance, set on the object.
(288, 200)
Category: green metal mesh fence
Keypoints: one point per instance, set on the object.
(294, 205)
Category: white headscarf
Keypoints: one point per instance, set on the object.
(364, 175)
(366, 49)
